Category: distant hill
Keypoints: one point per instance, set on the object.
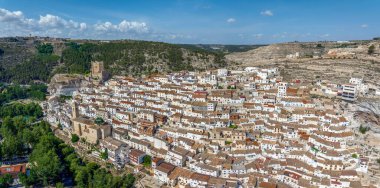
(280, 51)
(15, 50)
(220, 48)
(25, 59)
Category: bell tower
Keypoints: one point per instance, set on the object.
(74, 110)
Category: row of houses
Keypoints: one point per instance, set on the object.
(219, 127)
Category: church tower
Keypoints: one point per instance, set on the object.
(74, 110)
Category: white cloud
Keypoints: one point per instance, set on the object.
(231, 20)
(51, 21)
(267, 13)
(258, 35)
(364, 26)
(9, 16)
(82, 26)
(106, 26)
(14, 17)
(325, 35)
(15, 23)
(140, 27)
(124, 27)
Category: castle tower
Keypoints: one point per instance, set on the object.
(97, 70)
(98, 74)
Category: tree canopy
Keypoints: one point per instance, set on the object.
(15, 92)
(45, 49)
(50, 159)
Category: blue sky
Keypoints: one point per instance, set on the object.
(194, 21)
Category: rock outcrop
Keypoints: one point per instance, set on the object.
(65, 84)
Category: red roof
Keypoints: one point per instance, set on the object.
(14, 170)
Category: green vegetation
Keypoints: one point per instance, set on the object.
(6, 180)
(354, 155)
(16, 129)
(37, 68)
(129, 57)
(59, 185)
(104, 155)
(26, 111)
(363, 129)
(99, 121)
(218, 48)
(77, 58)
(31, 67)
(63, 98)
(147, 161)
(15, 92)
(45, 49)
(134, 58)
(232, 126)
(314, 149)
(227, 142)
(52, 159)
(49, 158)
(231, 87)
(74, 138)
(371, 49)
(344, 45)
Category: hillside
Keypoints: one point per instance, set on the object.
(15, 50)
(220, 48)
(332, 61)
(22, 62)
(282, 50)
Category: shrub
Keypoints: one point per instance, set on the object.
(74, 138)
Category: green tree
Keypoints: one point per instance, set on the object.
(129, 180)
(371, 49)
(45, 49)
(6, 180)
(99, 121)
(104, 155)
(11, 146)
(74, 138)
(81, 177)
(59, 185)
(232, 126)
(147, 161)
(363, 129)
(25, 180)
(45, 163)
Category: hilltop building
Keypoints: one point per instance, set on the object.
(98, 73)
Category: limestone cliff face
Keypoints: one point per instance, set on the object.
(64, 84)
(293, 50)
